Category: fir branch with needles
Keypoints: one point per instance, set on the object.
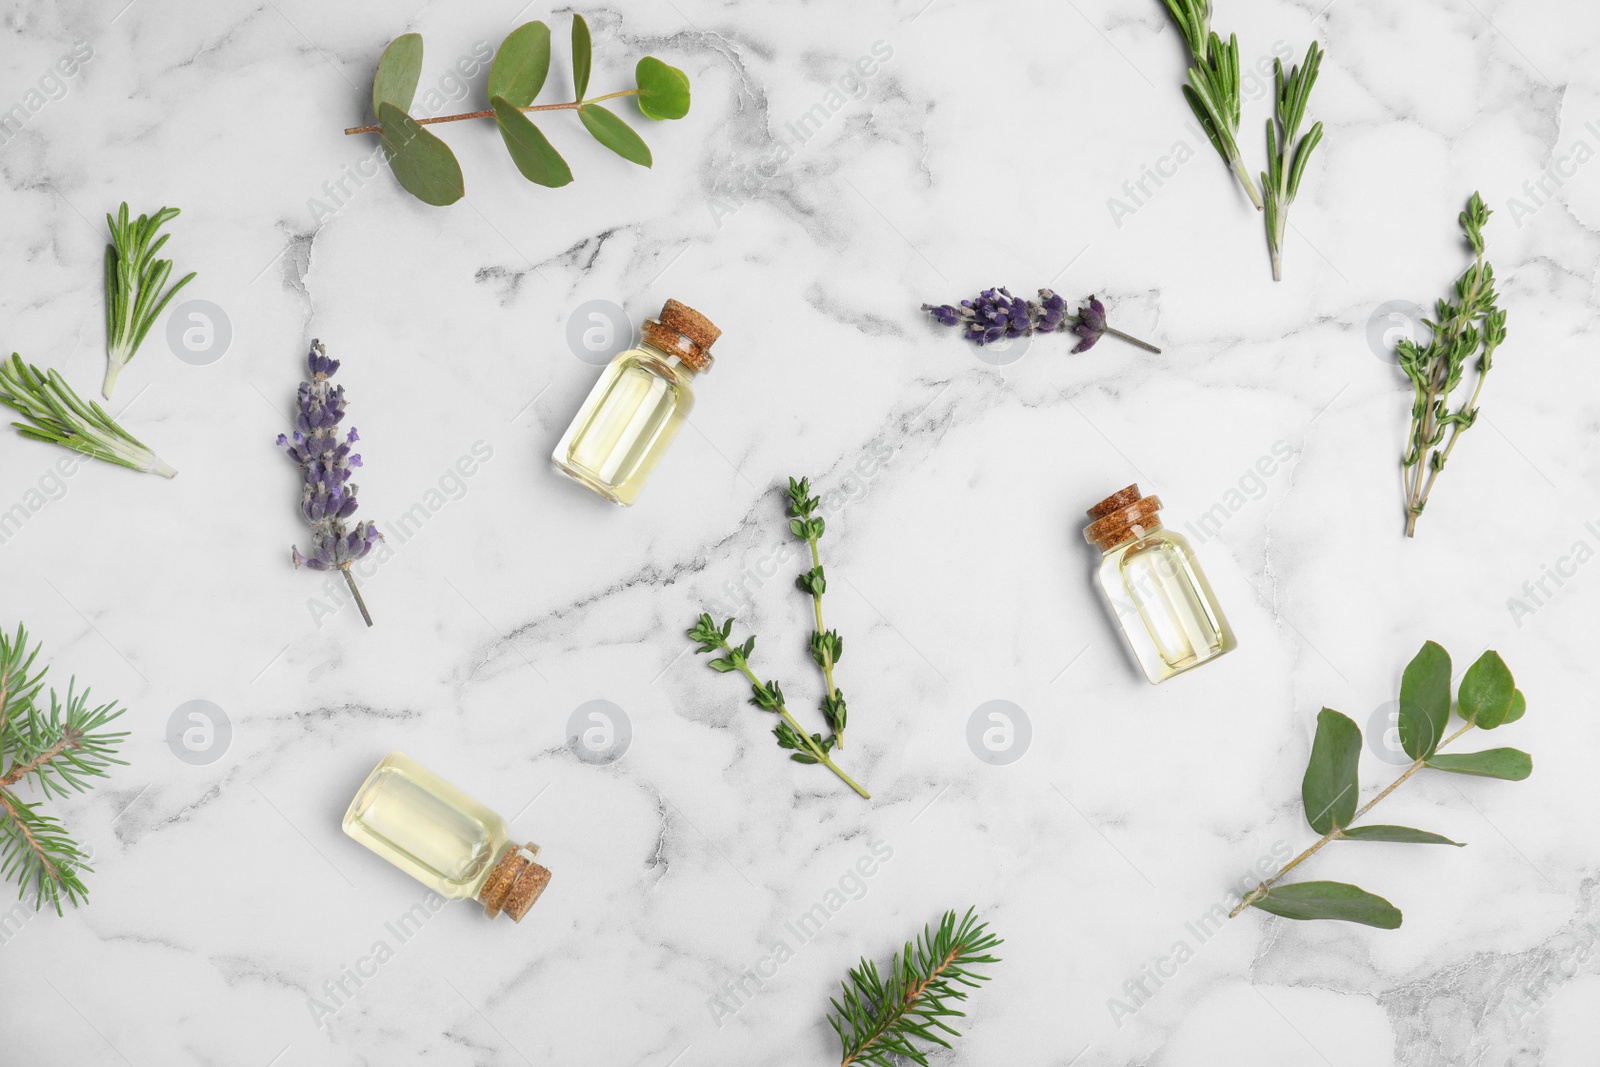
(59, 752)
(880, 1018)
(134, 282)
(1287, 152)
(826, 645)
(1472, 325)
(54, 412)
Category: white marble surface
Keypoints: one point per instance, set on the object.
(983, 151)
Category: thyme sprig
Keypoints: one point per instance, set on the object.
(61, 751)
(1487, 699)
(826, 645)
(1213, 89)
(1474, 323)
(768, 696)
(879, 1017)
(134, 281)
(55, 413)
(1287, 152)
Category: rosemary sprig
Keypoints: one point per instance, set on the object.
(56, 414)
(768, 696)
(134, 277)
(1488, 698)
(60, 751)
(1474, 323)
(1281, 181)
(878, 1017)
(826, 645)
(1213, 89)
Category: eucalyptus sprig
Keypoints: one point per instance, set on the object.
(826, 645)
(880, 1018)
(768, 696)
(1213, 89)
(55, 413)
(425, 166)
(134, 280)
(60, 751)
(1487, 699)
(1472, 324)
(1287, 152)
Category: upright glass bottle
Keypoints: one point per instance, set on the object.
(638, 405)
(443, 838)
(1160, 596)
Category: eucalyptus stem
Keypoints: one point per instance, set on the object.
(489, 114)
(1337, 832)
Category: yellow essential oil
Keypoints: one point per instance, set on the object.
(443, 838)
(1156, 589)
(638, 405)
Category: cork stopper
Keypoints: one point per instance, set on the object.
(684, 332)
(1121, 515)
(515, 883)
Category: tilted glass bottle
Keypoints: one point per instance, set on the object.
(1155, 586)
(443, 838)
(638, 405)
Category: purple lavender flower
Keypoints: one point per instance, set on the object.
(996, 315)
(1091, 324)
(327, 497)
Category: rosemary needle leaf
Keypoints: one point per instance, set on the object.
(54, 413)
(136, 292)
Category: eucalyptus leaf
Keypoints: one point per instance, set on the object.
(1425, 701)
(423, 164)
(1486, 692)
(1519, 704)
(1330, 900)
(520, 66)
(398, 70)
(1330, 788)
(1402, 834)
(581, 55)
(530, 150)
(663, 90)
(614, 134)
(1511, 764)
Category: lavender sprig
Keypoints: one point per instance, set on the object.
(324, 456)
(996, 315)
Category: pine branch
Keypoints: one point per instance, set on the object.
(61, 751)
(878, 1017)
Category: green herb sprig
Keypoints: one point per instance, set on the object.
(1488, 698)
(60, 751)
(826, 645)
(1472, 324)
(134, 280)
(768, 696)
(425, 166)
(1213, 95)
(1213, 89)
(879, 1018)
(55, 413)
(1287, 152)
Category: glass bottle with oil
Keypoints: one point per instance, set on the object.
(444, 839)
(1160, 596)
(638, 405)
